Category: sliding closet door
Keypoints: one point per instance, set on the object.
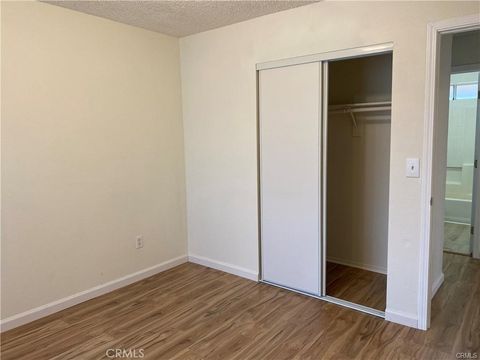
(289, 105)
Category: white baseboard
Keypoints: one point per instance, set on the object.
(401, 318)
(437, 283)
(66, 302)
(374, 268)
(222, 266)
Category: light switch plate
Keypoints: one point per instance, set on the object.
(412, 168)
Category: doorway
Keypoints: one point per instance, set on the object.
(461, 161)
(453, 62)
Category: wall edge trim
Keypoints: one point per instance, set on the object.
(223, 266)
(358, 265)
(402, 318)
(437, 283)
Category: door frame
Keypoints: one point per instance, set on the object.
(475, 212)
(475, 240)
(322, 59)
(355, 52)
(434, 31)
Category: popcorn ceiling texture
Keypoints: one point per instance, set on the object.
(179, 18)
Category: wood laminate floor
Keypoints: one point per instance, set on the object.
(193, 312)
(457, 238)
(359, 286)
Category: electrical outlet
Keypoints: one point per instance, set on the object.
(139, 242)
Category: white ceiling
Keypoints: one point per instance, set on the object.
(180, 18)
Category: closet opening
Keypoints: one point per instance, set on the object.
(323, 175)
(357, 173)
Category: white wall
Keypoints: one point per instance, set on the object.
(219, 107)
(92, 153)
(357, 196)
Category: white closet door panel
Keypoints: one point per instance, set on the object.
(289, 102)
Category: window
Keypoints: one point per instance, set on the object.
(467, 91)
(463, 91)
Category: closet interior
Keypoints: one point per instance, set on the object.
(357, 179)
(324, 158)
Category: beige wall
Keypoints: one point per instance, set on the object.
(92, 152)
(219, 107)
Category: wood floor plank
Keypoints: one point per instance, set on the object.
(383, 342)
(161, 328)
(237, 332)
(179, 336)
(468, 340)
(357, 285)
(296, 332)
(84, 349)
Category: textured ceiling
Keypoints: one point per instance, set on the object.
(179, 18)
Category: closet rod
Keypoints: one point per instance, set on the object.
(360, 107)
(367, 109)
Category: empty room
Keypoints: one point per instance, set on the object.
(240, 180)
